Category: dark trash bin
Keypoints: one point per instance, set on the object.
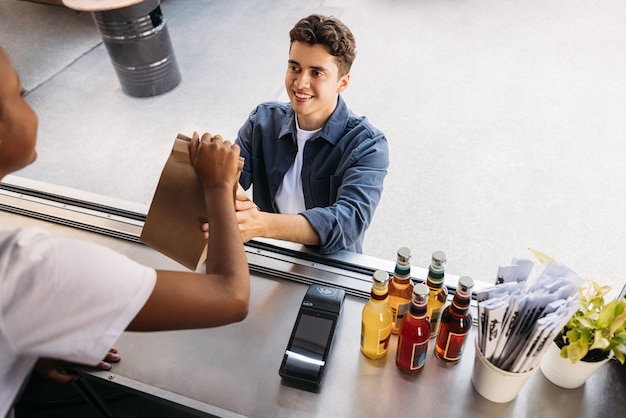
(140, 48)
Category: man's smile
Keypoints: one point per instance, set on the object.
(302, 96)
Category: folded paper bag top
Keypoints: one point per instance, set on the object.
(178, 210)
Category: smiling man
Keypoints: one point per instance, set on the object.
(317, 169)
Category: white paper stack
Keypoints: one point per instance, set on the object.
(517, 318)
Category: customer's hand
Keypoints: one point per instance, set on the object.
(242, 202)
(249, 219)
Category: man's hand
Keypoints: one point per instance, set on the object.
(242, 203)
(61, 371)
(249, 219)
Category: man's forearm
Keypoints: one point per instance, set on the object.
(287, 227)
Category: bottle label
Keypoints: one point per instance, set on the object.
(419, 355)
(435, 314)
(400, 312)
(384, 335)
(435, 319)
(453, 349)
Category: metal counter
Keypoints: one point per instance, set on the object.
(233, 371)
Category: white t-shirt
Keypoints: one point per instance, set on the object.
(290, 197)
(61, 298)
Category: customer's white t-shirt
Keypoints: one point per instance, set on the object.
(290, 197)
(61, 298)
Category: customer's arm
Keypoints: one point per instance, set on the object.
(342, 223)
(287, 227)
(78, 324)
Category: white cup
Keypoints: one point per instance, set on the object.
(493, 383)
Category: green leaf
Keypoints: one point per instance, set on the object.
(607, 315)
(600, 341)
(572, 335)
(577, 350)
(586, 335)
(619, 350)
(585, 322)
(619, 323)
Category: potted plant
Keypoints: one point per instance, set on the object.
(592, 334)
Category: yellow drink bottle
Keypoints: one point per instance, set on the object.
(376, 319)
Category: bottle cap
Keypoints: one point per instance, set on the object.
(404, 254)
(421, 290)
(381, 276)
(439, 258)
(466, 283)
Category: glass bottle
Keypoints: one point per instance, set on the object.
(438, 292)
(376, 319)
(400, 288)
(455, 324)
(414, 333)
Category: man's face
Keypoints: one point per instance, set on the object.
(18, 122)
(313, 83)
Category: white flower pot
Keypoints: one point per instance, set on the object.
(562, 372)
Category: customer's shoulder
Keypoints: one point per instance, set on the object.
(362, 124)
(357, 123)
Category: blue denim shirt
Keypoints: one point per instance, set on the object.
(342, 174)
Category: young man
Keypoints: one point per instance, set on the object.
(67, 299)
(317, 169)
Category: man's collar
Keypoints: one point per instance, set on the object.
(332, 129)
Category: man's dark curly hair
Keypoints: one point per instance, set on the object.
(332, 34)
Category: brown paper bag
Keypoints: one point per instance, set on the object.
(177, 211)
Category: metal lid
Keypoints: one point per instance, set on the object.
(466, 283)
(420, 290)
(381, 276)
(404, 253)
(439, 258)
